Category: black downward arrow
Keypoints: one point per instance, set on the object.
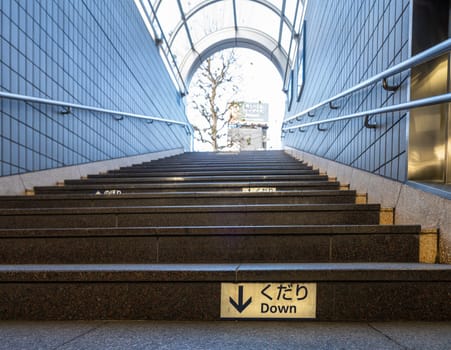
(240, 306)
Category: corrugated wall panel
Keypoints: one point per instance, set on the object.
(95, 53)
(348, 42)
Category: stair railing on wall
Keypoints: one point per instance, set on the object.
(67, 108)
(418, 59)
(399, 107)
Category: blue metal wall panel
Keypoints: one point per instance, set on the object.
(95, 53)
(348, 42)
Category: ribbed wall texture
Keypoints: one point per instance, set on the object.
(92, 52)
(347, 42)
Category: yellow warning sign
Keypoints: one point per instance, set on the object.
(268, 300)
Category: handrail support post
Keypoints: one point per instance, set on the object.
(332, 106)
(388, 87)
(67, 110)
(369, 125)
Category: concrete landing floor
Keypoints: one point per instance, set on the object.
(94, 335)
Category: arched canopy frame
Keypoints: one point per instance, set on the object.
(189, 31)
(225, 39)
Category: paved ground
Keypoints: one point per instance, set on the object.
(224, 335)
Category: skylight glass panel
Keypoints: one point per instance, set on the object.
(253, 15)
(169, 16)
(277, 3)
(212, 18)
(256, 18)
(188, 5)
(299, 18)
(286, 38)
(290, 9)
(180, 46)
(155, 3)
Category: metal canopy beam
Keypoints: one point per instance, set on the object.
(206, 3)
(228, 38)
(235, 19)
(279, 41)
(157, 4)
(188, 33)
(271, 42)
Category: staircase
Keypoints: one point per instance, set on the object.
(209, 236)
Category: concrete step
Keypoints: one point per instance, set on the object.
(215, 160)
(211, 244)
(143, 172)
(201, 236)
(267, 154)
(191, 187)
(196, 179)
(223, 157)
(216, 167)
(247, 215)
(177, 198)
(328, 292)
(243, 155)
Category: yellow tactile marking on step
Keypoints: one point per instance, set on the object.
(361, 198)
(428, 246)
(387, 216)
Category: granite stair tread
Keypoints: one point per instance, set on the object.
(227, 272)
(211, 244)
(195, 179)
(180, 198)
(206, 169)
(193, 215)
(191, 187)
(213, 230)
(137, 172)
(195, 208)
(211, 167)
(157, 240)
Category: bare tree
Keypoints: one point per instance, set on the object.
(212, 90)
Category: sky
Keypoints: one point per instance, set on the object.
(259, 82)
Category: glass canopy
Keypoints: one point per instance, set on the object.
(189, 31)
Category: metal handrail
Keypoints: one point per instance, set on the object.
(422, 57)
(399, 107)
(69, 106)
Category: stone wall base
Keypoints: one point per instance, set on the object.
(20, 184)
(412, 206)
